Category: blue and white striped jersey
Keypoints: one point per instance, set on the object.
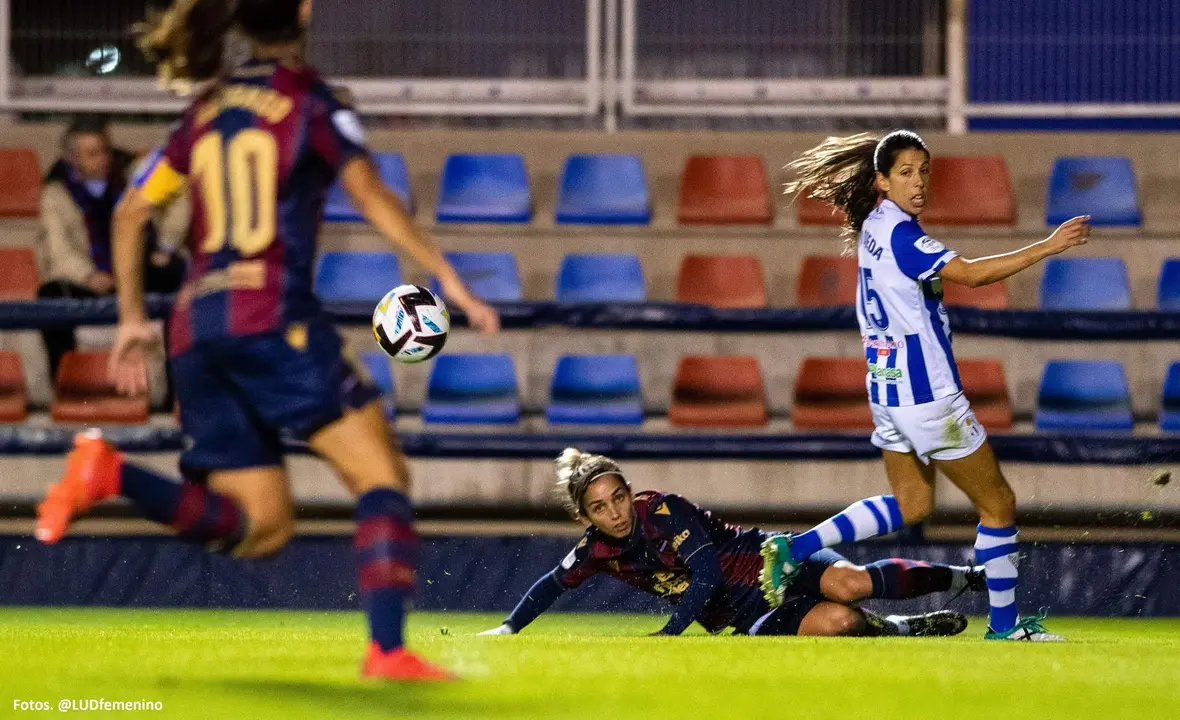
(907, 336)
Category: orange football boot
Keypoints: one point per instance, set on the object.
(401, 665)
(92, 475)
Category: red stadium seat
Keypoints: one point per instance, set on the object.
(14, 398)
(815, 212)
(19, 278)
(986, 389)
(724, 190)
(723, 281)
(20, 183)
(826, 280)
(830, 395)
(988, 297)
(718, 391)
(969, 190)
(966, 190)
(84, 394)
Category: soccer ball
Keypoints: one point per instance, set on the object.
(411, 324)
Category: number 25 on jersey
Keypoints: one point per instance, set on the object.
(245, 217)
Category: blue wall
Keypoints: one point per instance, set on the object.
(1096, 51)
(490, 574)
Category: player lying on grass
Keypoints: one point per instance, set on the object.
(669, 547)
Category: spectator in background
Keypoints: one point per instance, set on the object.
(81, 191)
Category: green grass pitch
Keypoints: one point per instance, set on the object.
(217, 664)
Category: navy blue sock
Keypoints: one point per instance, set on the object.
(192, 510)
(901, 579)
(386, 549)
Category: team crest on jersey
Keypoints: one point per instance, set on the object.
(929, 245)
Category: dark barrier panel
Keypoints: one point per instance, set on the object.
(490, 574)
(1032, 324)
(1039, 448)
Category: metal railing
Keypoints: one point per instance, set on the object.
(783, 58)
(478, 58)
(608, 60)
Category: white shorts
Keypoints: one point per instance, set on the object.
(944, 429)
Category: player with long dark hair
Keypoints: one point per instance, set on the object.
(253, 355)
(667, 546)
(923, 422)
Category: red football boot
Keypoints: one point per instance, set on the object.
(401, 665)
(92, 475)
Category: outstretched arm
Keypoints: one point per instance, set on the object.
(383, 209)
(994, 268)
(706, 578)
(539, 598)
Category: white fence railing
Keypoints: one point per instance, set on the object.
(597, 59)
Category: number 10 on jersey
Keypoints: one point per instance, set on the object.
(247, 213)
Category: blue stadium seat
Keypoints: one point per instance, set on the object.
(595, 390)
(357, 276)
(484, 189)
(1168, 297)
(1170, 413)
(600, 277)
(1085, 283)
(1084, 395)
(392, 168)
(472, 389)
(603, 190)
(492, 276)
(1101, 187)
(377, 364)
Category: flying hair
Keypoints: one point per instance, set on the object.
(187, 40)
(842, 171)
(575, 471)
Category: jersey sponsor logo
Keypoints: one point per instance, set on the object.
(349, 125)
(679, 540)
(568, 562)
(882, 344)
(869, 243)
(662, 510)
(669, 584)
(929, 245)
(882, 373)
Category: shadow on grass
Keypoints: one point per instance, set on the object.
(364, 698)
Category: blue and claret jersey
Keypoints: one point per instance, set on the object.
(668, 531)
(257, 153)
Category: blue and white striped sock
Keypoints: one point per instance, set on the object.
(861, 520)
(996, 551)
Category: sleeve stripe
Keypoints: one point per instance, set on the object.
(941, 262)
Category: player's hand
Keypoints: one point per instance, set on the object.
(504, 629)
(128, 364)
(480, 315)
(1071, 233)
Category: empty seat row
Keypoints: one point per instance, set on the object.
(728, 391)
(736, 281)
(714, 189)
(709, 391)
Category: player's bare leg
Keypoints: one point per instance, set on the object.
(264, 495)
(360, 448)
(978, 476)
(912, 484)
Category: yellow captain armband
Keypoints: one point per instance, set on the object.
(162, 183)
